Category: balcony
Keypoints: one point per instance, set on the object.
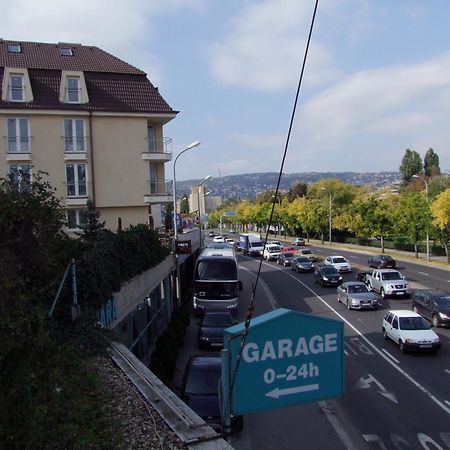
(159, 150)
(159, 192)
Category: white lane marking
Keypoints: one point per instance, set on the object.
(448, 371)
(346, 352)
(390, 356)
(423, 273)
(376, 349)
(365, 383)
(448, 403)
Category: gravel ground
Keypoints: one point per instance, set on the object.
(139, 422)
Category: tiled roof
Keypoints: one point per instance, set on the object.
(112, 84)
(38, 55)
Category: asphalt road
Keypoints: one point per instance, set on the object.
(391, 400)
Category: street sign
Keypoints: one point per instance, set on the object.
(230, 214)
(288, 358)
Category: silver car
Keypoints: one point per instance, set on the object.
(355, 295)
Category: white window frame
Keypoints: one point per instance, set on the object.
(13, 89)
(15, 169)
(16, 141)
(80, 187)
(74, 143)
(78, 215)
(151, 143)
(70, 90)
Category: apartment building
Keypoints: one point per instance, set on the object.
(93, 122)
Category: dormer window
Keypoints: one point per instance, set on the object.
(65, 51)
(16, 87)
(14, 48)
(73, 90)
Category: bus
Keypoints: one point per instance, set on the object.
(216, 285)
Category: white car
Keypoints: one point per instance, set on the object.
(271, 252)
(338, 262)
(218, 239)
(410, 331)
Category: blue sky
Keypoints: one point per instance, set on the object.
(377, 80)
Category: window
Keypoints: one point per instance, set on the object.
(76, 180)
(65, 51)
(16, 87)
(74, 139)
(14, 48)
(20, 175)
(153, 179)
(151, 139)
(75, 218)
(18, 135)
(73, 90)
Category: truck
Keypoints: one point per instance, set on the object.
(387, 282)
(271, 252)
(251, 244)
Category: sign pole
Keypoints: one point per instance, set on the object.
(225, 392)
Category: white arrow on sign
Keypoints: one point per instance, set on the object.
(365, 383)
(277, 392)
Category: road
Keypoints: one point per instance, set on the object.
(391, 400)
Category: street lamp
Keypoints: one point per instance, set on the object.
(199, 209)
(175, 228)
(329, 215)
(426, 196)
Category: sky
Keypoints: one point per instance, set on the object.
(376, 80)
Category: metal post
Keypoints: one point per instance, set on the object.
(329, 215)
(225, 394)
(175, 228)
(426, 196)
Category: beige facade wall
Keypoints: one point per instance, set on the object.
(117, 176)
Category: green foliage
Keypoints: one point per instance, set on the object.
(431, 163)
(91, 224)
(184, 205)
(411, 165)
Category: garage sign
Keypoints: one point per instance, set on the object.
(287, 358)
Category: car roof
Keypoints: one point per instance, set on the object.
(388, 270)
(382, 256)
(404, 313)
(354, 283)
(433, 293)
(336, 256)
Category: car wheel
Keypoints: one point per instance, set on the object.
(383, 295)
(349, 306)
(322, 283)
(402, 346)
(435, 320)
(385, 334)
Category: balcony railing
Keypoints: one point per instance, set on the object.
(158, 150)
(158, 192)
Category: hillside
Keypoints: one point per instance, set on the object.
(252, 184)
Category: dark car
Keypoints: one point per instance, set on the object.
(327, 276)
(285, 258)
(200, 390)
(211, 326)
(302, 264)
(298, 241)
(433, 305)
(382, 262)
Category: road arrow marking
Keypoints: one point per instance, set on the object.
(277, 392)
(365, 383)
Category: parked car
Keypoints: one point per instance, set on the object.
(210, 328)
(200, 390)
(355, 295)
(410, 331)
(432, 305)
(339, 263)
(298, 241)
(285, 258)
(382, 262)
(302, 264)
(327, 276)
(308, 253)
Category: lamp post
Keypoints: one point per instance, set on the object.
(199, 209)
(175, 228)
(426, 196)
(329, 215)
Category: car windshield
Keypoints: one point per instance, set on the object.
(216, 270)
(357, 289)
(328, 269)
(288, 255)
(307, 252)
(442, 300)
(386, 258)
(203, 380)
(217, 320)
(339, 260)
(391, 276)
(413, 323)
(302, 260)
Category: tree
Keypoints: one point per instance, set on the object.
(91, 225)
(184, 205)
(298, 190)
(411, 165)
(431, 164)
(440, 208)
